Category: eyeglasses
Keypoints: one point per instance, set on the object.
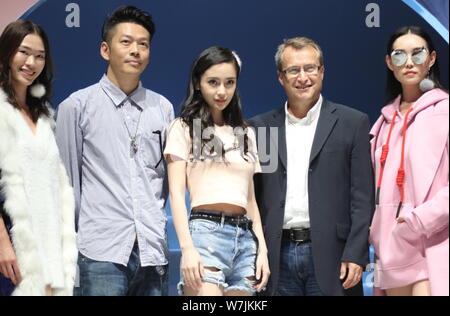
(418, 56)
(294, 71)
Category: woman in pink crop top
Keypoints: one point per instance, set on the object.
(222, 243)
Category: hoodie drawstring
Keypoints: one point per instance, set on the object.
(383, 158)
(401, 171)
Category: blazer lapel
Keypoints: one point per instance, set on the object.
(327, 120)
(279, 121)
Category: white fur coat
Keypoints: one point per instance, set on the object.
(39, 201)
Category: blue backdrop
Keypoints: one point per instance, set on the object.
(354, 52)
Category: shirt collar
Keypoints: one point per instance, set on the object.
(118, 97)
(312, 115)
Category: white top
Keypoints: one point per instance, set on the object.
(40, 202)
(40, 164)
(212, 181)
(299, 140)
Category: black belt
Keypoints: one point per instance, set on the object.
(300, 235)
(238, 220)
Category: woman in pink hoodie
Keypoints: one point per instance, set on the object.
(410, 151)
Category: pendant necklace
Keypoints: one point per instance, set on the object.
(133, 139)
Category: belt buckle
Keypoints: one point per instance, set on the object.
(292, 234)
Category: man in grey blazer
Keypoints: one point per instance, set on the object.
(317, 206)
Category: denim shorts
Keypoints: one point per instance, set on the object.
(228, 248)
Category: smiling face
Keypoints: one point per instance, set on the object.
(128, 51)
(28, 62)
(304, 87)
(415, 68)
(218, 85)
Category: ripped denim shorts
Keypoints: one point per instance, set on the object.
(229, 249)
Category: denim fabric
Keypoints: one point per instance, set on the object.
(111, 279)
(6, 286)
(228, 248)
(297, 275)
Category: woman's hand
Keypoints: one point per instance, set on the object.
(192, 268)
(262, 271)
(8, 261)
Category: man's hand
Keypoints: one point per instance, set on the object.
(354, 273)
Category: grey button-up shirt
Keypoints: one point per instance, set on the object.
(120, 196)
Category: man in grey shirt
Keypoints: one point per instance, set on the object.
(110, 136)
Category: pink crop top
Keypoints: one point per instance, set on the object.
(212, 181)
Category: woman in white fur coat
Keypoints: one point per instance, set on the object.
(39, 253)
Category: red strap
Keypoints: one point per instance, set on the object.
(385, 152)
(401, 170)
(401, 182)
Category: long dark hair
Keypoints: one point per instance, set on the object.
(10, 41)
(195, 107)
(393, 86)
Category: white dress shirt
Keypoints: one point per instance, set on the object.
(299, 140)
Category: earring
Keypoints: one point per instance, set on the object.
(38, 90)
(427, 84)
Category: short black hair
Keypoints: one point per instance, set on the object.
(126, 14)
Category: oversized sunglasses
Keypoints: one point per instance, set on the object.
(418, 56)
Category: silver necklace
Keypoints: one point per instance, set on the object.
(133, 139)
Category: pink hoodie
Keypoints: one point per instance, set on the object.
(418, 249)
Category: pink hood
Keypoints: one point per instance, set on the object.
(426, 100)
